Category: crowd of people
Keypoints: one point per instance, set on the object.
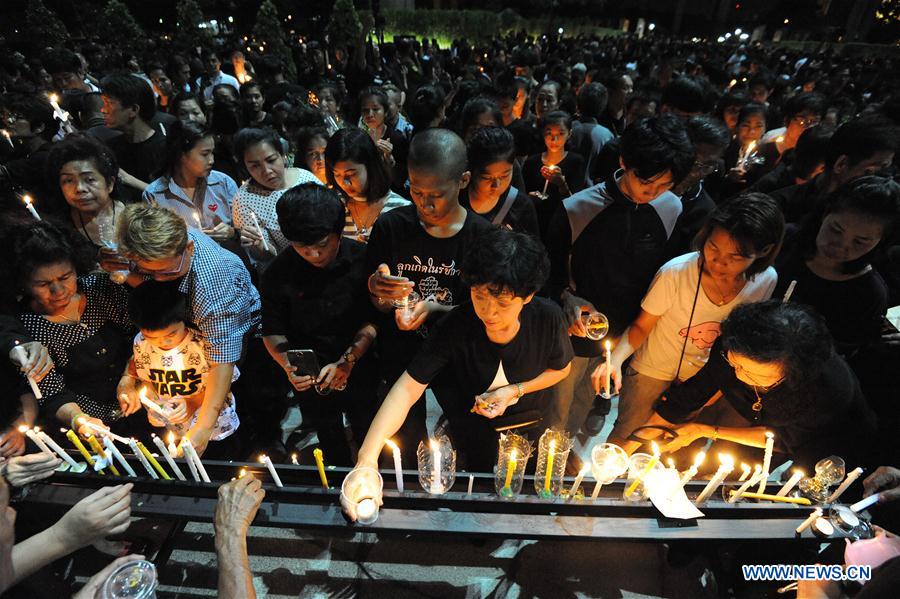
(229, 242)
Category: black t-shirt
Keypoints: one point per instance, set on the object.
(317, 308)
(521, 216)
(400, 241)
(460, 344)
(142, 160)
(811, 419)
(798, 200)
(572, 167)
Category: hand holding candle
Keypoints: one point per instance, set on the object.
(271, 467)
(29, 205)
(21, 357)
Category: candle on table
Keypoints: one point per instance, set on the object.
(268, 462)
(192, 466)
(191, 453)
(30, 207)
(597, 488)
(73, 438)
(745, 472)
(767, 461)
(102, 430)
(168, 457)
(75, 466)
(511, 465)
(777, 499)
(22, 357)
(792, 481)
(471, 484)
(548, 474)
(437, 486)
(806, 523)
(35, 439)
(153, 462)
(173, 448)
(365, 509)
(726, 465)
(847, 482)
(320, 465)
(132, 443)
(736, 495)
(650, 465)
(95, 446)
(294, 459)
(692, 471)
(262, 234)
(398, 470)
(607, 385)
(577, 484)
(111, 447)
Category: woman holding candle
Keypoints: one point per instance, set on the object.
(688, 299)
(740, 153)
(355, 167)
(393, 145)
(773, 368)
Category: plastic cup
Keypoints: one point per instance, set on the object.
(362, 487)
(134, 580)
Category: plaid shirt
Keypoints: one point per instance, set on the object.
(222, 302)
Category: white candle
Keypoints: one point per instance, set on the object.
(22, 356)
(28, 204)
(190, 453)
(577, 483)
(745, 472)
(365, 509)
(101, 430)
(789, 292)
(398, 470)
(140, 456)
(767, 461)
(173, 449)
(57, 109)
(436, 485)
(112, 449)
(726, 466)
(262, 234)
(692, 471)
(606, 379)
(847, 482)
(35, 439)
(736, 496)
(268, 462)
(597, 488)
(471, 484)
(192, 466)
(806, 523)
(294, 459)
(864, 503)
(5, 135)
(165, 453)
(59, 450)
(792, 481)
(152, 405)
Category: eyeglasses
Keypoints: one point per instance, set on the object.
(133, 267)
(807, 122)
(754, 380)
(706, 168)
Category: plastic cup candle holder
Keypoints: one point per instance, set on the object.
(437, 465)
(360, 488)
(553, 452)
(638, 468)
(407, 305)
(608, 462)
(512, 457)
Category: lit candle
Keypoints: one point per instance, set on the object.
(692, 471)
(5, 135)
(511, 465)
(173, 449)
(75, 466)
(365, 509)
(242, 473)
(190, 453)
(95, 446)
(806, 523)
(437, 486)
(294, 459)
(746, 153)
(577, 484)
(21, 357)
(268, 462)
(111, 447)
(140, 456)
(847, 482)
(746, 472)
(320, 464)
(165, 454)
(606, 378)
(58, 112)
(777, 499)
(262, 234)
(153, 462)
(192, 466)
(398, 470)
(650, 465)
(35, 439)
(548, 474)
(152, 406)
(792, 481)
(102, 430)
(726, 465)
(30, 207)
(735, 496)
(767, 461)
(73, 438)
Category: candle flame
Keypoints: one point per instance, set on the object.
(655, 448)
(512, 454)
(171, 438)
(607, 344)
(390, 443)
(751, 146)
(757, 469)
(744, 467)
(23, 428)
(262, 458)
(585, 470)
(727, 461)
(434, 444)
(733, 83)
(552, 445)
(37, 429)
(698, 460)
(671, 463)
(770, 435)
(54, 98)
(779, 139)
(799, 472)
(242, 473)
(294, 459)
(5, 134)
(27, 199)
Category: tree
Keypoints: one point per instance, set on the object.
(268, 33)
(43, 26)
(345, 29)
(189, 34)
(116, 25)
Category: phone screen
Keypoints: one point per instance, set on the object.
(305, 361)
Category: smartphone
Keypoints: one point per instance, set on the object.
(305, 361)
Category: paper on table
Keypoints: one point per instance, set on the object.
(668, 496)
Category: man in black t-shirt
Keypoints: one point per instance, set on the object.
(504, 352)
(419, 248)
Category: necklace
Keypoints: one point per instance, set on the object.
(725, 297)
(72, 314)
(100, 225)
(362, 224)
(757, 405)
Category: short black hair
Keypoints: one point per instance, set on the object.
(506, 261)
(36, 110)
(811, 150)
(489, 145)
(684, 94)
(250, 85)
(35, 244)
(762, 78)
(251, 136)
(181, 97)
(475, 107)
(62, 60)
(749, 109)
(557, 117)
(130, 90)
(861, 138)
(155, 305)
(355, 145)
(79, 146)
(654, 145)
(439, 151)
(805, 102)
(703, 129)
(591, 100)
(309, 212)
(181, 138)
(374, 92)
(735, 97)
(424, 106)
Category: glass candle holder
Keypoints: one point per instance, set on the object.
(437, 465)
(134, 580)
(361, 487)
(407, 305)
(512, 457)
(829, 471)
(637, 466)
(553, 451)
(596, 324)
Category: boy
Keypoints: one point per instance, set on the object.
(169, 361)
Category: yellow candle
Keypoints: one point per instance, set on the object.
(767, 497)
(549, 475)
(95, 445)
(510, 469)
(650, 465)
(320, 464)
(153, 462)
(80, 447)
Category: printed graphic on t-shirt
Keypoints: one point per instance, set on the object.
(702, 335)
(429, 288)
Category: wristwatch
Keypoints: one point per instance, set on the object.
(349, 358)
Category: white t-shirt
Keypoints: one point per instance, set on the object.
(671, 296)
(179, 373)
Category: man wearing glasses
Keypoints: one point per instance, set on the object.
(222, 302)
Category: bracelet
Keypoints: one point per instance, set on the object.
(74, 419)
(520, 390)
(349, 358)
